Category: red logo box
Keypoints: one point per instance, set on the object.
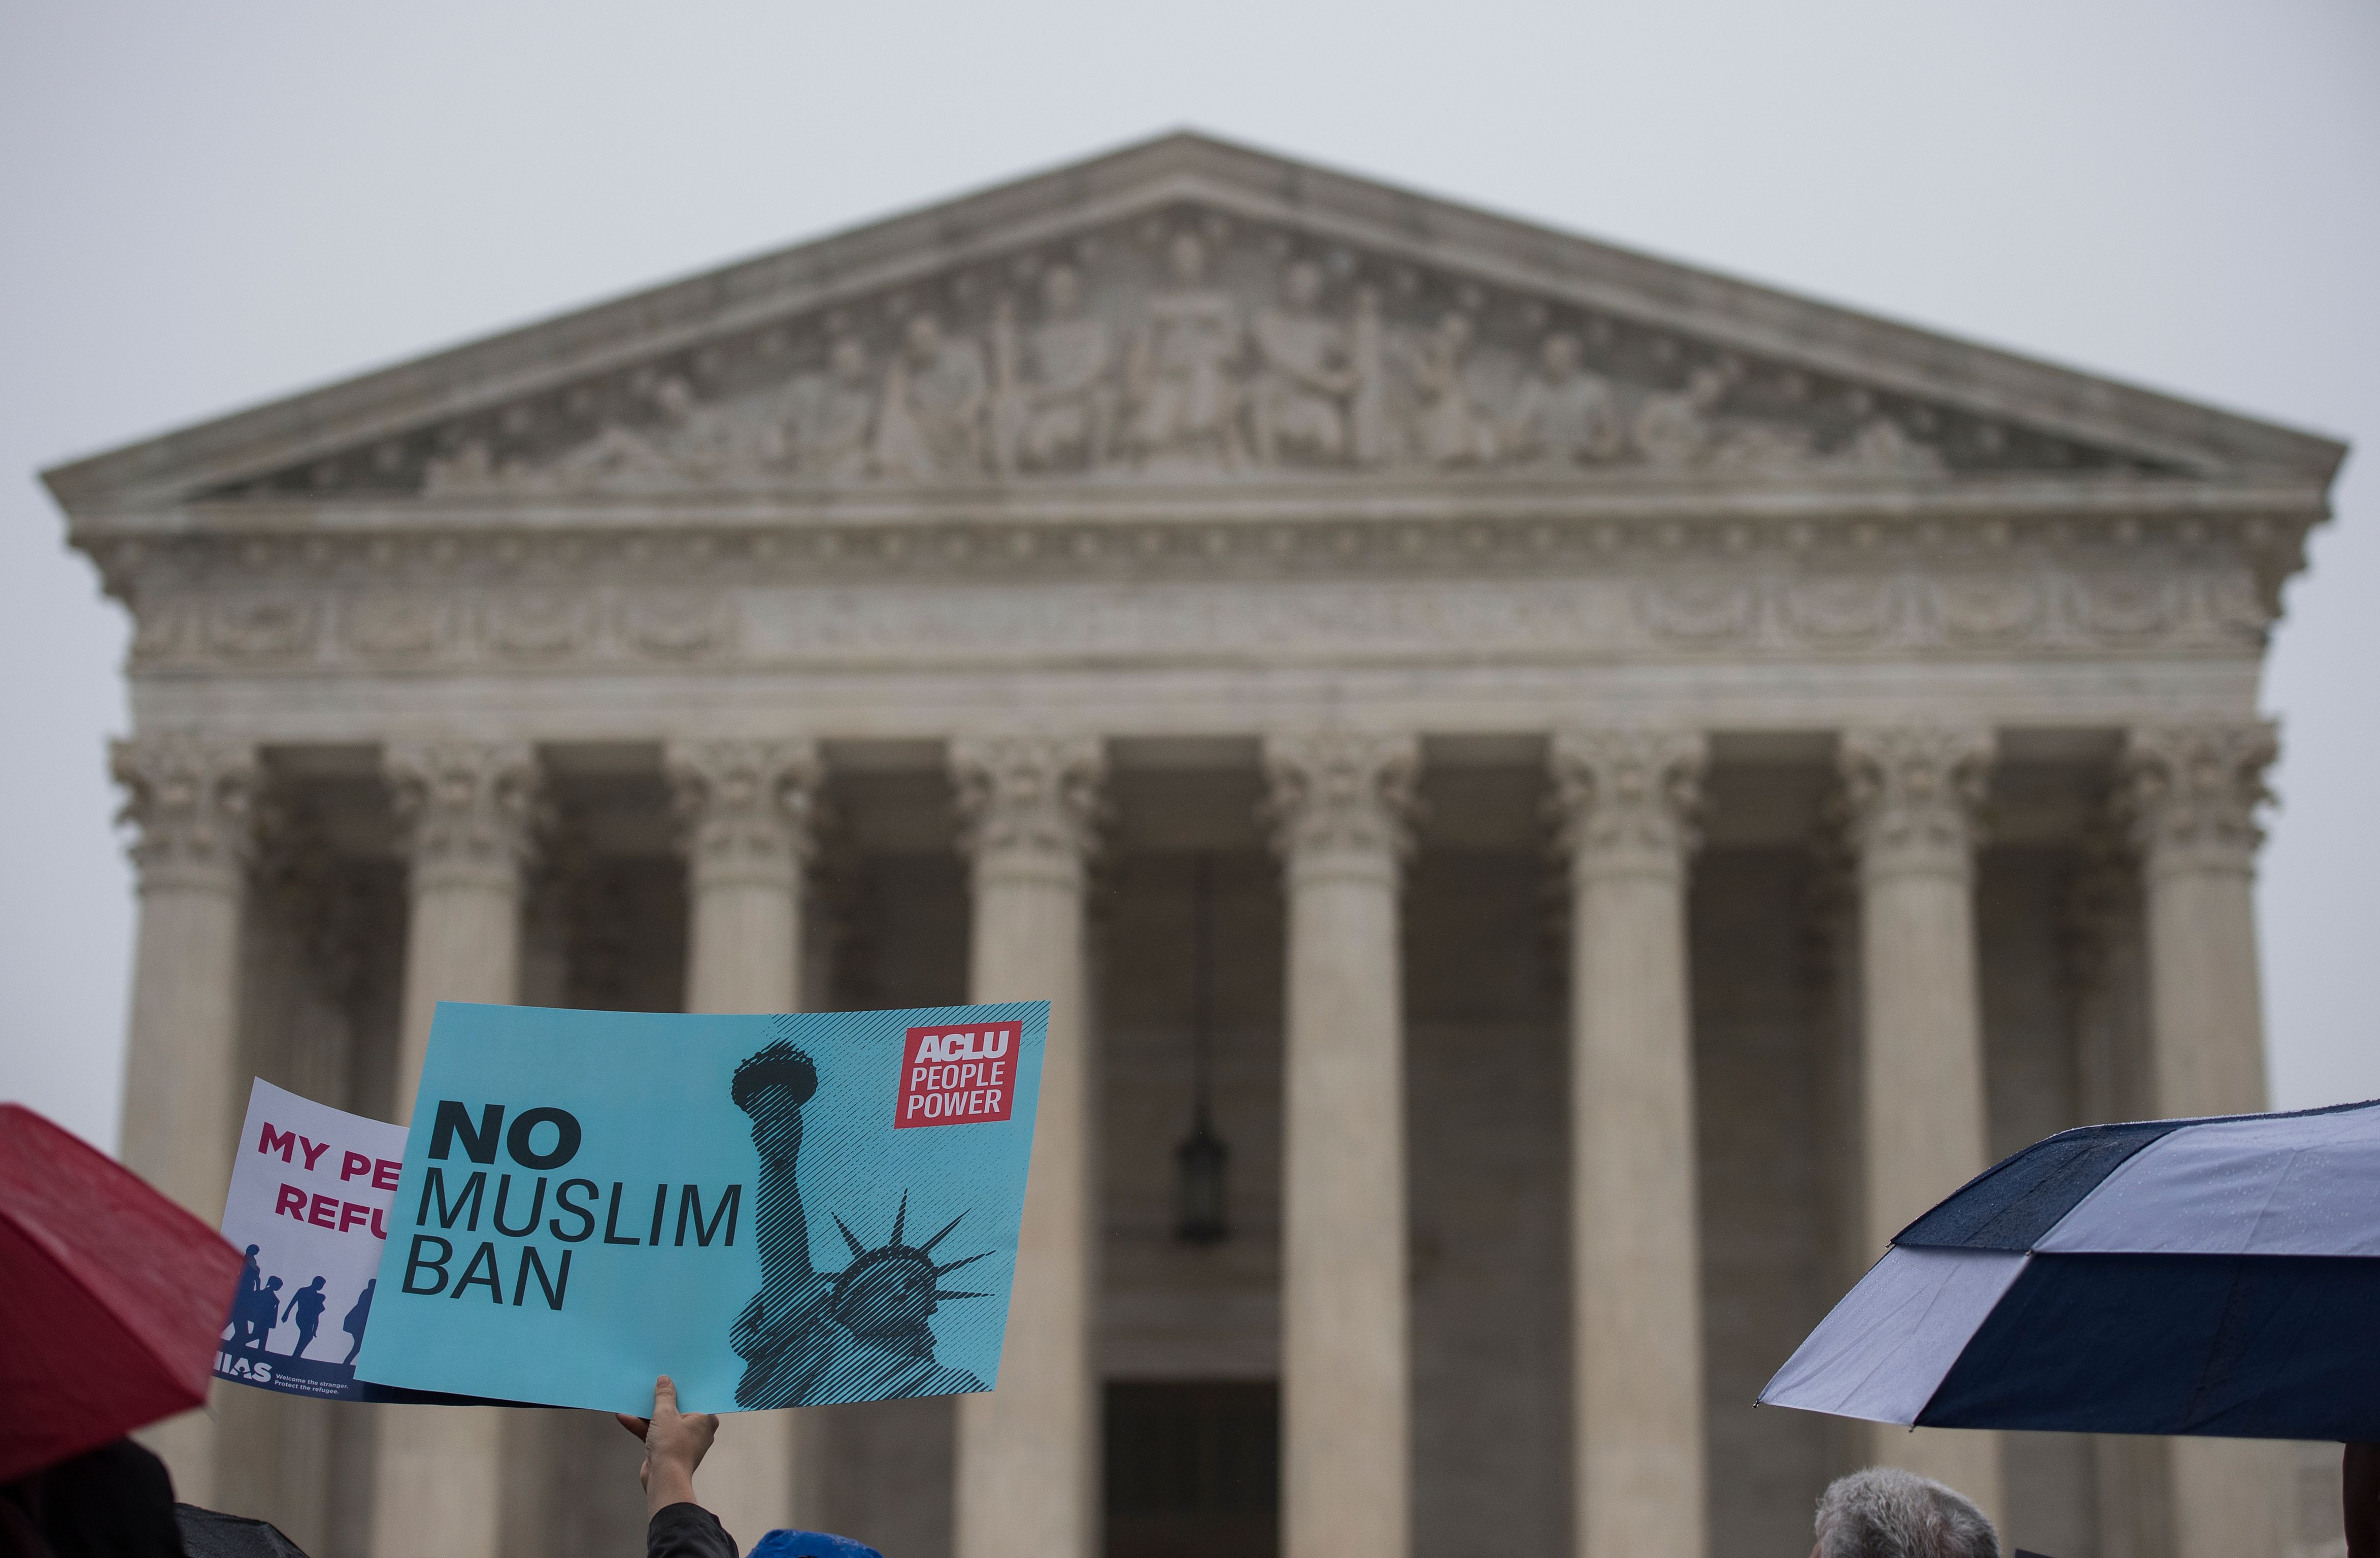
(962, 1075)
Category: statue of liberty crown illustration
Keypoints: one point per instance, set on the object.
(893, 1265)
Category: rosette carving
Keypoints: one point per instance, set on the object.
(193, 801)
(1914, 796)
(1029, 803)
(747, 810)
(2188, 794)
(467, 812)
(1626, 800)
(1341, 793)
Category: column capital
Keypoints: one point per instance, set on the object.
(2187, 794)
(1626, 799)
(1028, 805)
(195, 801)
(1342, 795)
(1914, 796)
(747, 809)
(467, 812)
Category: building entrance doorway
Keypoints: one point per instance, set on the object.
(1193, 1469)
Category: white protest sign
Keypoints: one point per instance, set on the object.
(310, 1192)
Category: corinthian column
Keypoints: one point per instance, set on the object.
(191, 800)
(1913, 797)
(1341, 802)
(467, 811)
(1028, 1454)
(2191, 794)
(746, 808)
(1627, 801)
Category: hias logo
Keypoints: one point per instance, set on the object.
(233, 1366)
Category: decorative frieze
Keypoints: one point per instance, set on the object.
(1625, 801)
(2189, 794)
(1915, 797)
(467, 812)
(1728, 610)
(192, 801)
(748, 808)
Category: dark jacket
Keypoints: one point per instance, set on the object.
(687, 1530)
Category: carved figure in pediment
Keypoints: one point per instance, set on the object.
(1374, 435)
(1303, 378)
(834, 416)
(1054, 394)
(1764, 450)
(633, 455)
(1177, 379)
(1563, 414)
(1880, 447)
(468, 471)
(1448, 427)
(930, 422)
(1673, 430)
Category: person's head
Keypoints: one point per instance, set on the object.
(251, 1252)
(316, 1285)
(1559, 356)
(272, 1285)
(1884, 1511)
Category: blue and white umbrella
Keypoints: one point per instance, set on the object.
(2217, 1276)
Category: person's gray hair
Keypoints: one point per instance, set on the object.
(1884, 1511)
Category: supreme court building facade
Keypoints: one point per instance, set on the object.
(1606, 788)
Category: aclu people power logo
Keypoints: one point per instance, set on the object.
(958, 1075)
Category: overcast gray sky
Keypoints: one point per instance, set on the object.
(202, 206)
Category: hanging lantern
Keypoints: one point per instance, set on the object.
(1201, 1163)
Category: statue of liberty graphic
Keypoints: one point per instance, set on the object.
(808, 1337)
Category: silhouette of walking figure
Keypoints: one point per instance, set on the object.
(265, 1317)
(356, 1318)
(307, 1304)
(243, 1303)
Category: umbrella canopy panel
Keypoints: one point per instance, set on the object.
(112, 1298)
(2171, 1277)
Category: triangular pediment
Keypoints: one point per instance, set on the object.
(1188, 311)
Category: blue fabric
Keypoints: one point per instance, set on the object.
(2238, 1346)
(810, 1544)
(2011, 1204)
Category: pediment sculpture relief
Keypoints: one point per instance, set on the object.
(1191, 350)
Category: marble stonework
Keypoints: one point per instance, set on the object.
(1684, 773)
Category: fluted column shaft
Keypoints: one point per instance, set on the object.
(467, 812)
(1341, 802)
(192, 801)
(1914, 795)
(744, 807)
(1627, 801)
(1028, 1453)
(2191, 794)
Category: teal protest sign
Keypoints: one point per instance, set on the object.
(776, 1211)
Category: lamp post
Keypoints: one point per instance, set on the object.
(1202, 1160)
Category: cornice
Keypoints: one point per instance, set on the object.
(1704, 554)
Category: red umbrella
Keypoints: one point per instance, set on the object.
(112, 1298)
